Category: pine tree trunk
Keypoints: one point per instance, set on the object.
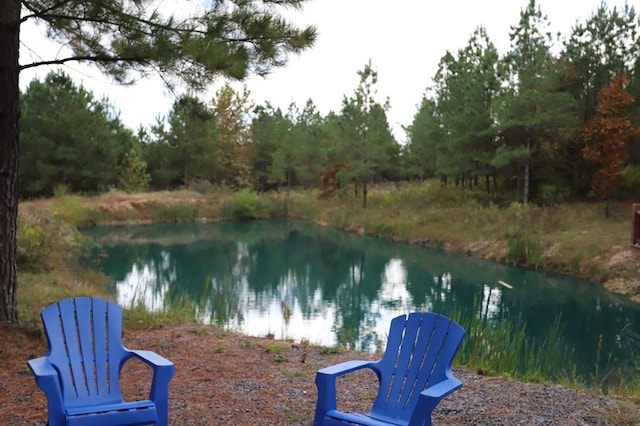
(9, 114)
(364, 194)
(527, 174)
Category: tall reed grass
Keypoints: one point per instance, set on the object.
(502, 347)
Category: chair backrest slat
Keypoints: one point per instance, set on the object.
(419, 351)
(101, 353)
(85, 347)
(424, 353)
(430, 365)
(404, 357)
(391, 353)
(84, 321)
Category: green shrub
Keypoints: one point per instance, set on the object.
(522, 250)
(43, 240)
(219, 348)
(379, 229)
(632, 174)
(339, 219)
(275, 207)
(243, 205)
(330, 350)
(33, 246)
(552, 195)
(630, 182)
(74, 211)
(274, 349)
(138, 316)
(60, 191)
(202, 186)
(277, 351)
(175, 213)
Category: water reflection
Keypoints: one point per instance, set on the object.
(296, 280)
(490, 302)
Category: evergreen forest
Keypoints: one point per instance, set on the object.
(554, 118)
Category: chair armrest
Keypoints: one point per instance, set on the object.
(345, 368)
(151, 358)
(163, 371)
(431, 397)
(442, 389)
(47, 380)
(42, 369)
(326, 384)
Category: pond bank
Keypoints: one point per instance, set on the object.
(573, 239)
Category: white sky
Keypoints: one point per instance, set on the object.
(404, 39)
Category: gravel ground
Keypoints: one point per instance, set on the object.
(224, 378)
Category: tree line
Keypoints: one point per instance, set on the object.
(228, 141)
(548, 119)
(530, 125)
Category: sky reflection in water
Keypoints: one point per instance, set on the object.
(295, 280)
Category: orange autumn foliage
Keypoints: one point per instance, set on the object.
(608, 135)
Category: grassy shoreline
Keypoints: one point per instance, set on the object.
(572, 238)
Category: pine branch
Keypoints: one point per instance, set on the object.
(35, 13)
(91, 58)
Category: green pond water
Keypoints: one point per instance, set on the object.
(297, 280)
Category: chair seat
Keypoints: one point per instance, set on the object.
(126, 413)
(356, 418)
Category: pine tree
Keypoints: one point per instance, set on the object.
(127, 39)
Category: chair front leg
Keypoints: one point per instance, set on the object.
(326, 385)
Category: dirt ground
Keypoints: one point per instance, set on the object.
(224, 378)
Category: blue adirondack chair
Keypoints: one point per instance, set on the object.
(81, 370)
(414, 374)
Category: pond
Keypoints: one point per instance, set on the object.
(293, 279)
